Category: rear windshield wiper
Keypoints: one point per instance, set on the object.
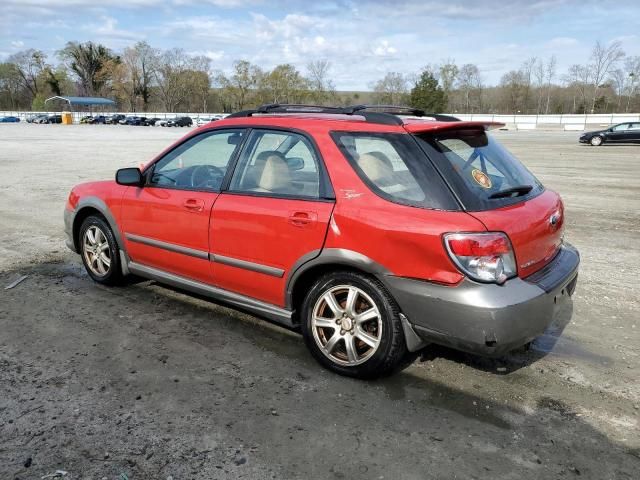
(509, 192)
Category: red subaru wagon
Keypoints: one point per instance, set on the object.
(374, 230)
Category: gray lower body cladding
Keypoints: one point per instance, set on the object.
(487, 319)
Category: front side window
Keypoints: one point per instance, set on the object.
(394, 168)
(278, 163)
(199, 163)
(620, 128)
(483, 174)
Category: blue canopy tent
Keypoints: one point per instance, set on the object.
(90, 102)
(84, 101)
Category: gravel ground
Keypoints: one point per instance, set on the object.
(144, 382)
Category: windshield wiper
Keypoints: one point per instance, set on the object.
(509, 192)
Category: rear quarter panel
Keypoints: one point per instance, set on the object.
(407, 241)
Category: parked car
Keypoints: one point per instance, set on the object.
(628, 132)
(9, 119)
(135, 121)
(151, 121)
(180, 122)
(35, 118)
(54, 119)
(204, 120)
(114, 119)
(98, 119)
(86, 119)
(373, 232)
(163, 122)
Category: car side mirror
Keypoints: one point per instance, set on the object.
(131, 177)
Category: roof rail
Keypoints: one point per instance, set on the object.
(382, 114)
(404, 110)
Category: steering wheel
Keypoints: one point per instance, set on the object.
(206, 176)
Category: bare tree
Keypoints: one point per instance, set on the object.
(632, 70)
(322, 88)
(550, 73)
(29, 65)
(513, 85)
(604, 60)
(392, 89)
(470, 84)
(140, 62)
(539, 75)
(182, 79)
(578, 78)
(527, 72)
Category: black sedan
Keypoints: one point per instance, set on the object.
(622, 133)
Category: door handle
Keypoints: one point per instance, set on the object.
(194, 204)
(301, 219)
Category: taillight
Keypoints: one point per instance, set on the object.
(485, 257)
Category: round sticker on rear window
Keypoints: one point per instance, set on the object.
(481, 178)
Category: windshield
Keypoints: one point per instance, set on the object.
(393, 166)
(483, 174)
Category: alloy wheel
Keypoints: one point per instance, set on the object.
(97, 254)
(346, 325)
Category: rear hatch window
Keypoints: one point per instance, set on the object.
(480, 171)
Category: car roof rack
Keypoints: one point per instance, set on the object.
(382, 114)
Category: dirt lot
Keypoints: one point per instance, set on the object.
(144, 382)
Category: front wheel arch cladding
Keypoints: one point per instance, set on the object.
(88, 205)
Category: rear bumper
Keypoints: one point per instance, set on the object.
(488, 319)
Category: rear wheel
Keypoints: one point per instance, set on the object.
(352, 326)
(596, 141)
(99, 251)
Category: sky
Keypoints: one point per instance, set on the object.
(362, 39)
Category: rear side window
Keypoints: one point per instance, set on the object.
(279, 164)
(483, 174)
(394, 168)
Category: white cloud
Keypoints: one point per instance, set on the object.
(17, 44)
(384, 49)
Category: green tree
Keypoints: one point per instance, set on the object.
(90, 62)
(427, 94)
(284, 84)
(239, 89)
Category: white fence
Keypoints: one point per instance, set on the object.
(520, 122)
(562, 122)
(78, 115)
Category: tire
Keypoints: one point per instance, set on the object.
(377, 344)
(596, 141)
(99, 251)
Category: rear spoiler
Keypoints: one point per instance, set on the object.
(422, 126)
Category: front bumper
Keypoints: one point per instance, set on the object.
(69, 216)
(488, 319)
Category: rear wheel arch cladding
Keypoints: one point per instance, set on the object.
(329, 259)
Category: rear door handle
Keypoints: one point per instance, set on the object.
(301, 218)
(194, 204)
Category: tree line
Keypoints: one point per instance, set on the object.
(143, 78)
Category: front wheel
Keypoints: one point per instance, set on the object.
(99, 251)
(352, 326)
(596, 141)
